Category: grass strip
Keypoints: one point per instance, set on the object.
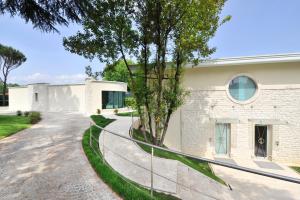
(297, 169)
(10, 124)
(121, 185)
(128, 114)
(202, 167)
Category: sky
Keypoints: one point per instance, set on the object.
(257, 27)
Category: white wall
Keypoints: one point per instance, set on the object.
(278, 98)
(41, 103)
(85, 98)
(94, 93)
(66, 98)
(18, 99)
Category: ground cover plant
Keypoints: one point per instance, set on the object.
(128, 114)
(297, 169)
(202, 167)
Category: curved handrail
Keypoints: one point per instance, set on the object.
(220, 163)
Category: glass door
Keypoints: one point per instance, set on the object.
(261, 141)
(222, 138)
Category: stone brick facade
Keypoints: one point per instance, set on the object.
(276, 105)
(202, 107)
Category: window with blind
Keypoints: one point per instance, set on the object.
(113, 99)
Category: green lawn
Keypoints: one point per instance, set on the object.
(10, 124)
(297, 169)
(128, 114)
(202, 167)
(125, 188)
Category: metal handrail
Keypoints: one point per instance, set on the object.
(220, 163)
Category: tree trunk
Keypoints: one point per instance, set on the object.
(142, 121)
(175, 89)
(146, 93)
(159, 71)
(4, 91)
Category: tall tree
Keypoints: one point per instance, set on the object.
(45, 15)
(10, 59)
(163, 36)
(89, 72)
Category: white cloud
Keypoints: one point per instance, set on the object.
(47, 78)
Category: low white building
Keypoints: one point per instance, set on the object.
(246, 108)
(84, 98)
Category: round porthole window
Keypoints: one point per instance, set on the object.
(242, 88)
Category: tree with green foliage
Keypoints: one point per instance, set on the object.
(116, 71)
(10, 59)
(163, 36)
(45, 15)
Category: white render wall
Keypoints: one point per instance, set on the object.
(192, 127)
(66, 98)
(19, 99)
(42, 90)
(93, 93)
(84, 98)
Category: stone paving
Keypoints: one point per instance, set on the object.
(47, 162)
(250, 186)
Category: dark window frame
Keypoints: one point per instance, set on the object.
(113, 99)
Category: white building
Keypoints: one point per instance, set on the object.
(246, 108)
(84, 98)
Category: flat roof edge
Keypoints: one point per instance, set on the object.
(259, 59)
(69, 84)
(17, 87)
(103, 81)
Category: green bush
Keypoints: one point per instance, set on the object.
(130, 102)
(26, 113)
(34, 117)
(116, 111)
(19, 113)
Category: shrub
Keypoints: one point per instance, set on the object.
(19, 113)
(130, 102)
(116, 111)
(35, 117)
(98, 111)
(26, 114)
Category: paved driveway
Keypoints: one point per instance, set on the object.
(47, 162)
